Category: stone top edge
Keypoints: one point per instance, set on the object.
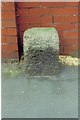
(41, 28)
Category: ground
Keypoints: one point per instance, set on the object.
(24, 96)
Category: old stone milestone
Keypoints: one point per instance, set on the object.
(41, 51)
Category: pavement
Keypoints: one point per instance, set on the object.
(55, 96)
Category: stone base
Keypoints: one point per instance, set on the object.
(41, 51)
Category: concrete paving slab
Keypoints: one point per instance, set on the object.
(41, 97)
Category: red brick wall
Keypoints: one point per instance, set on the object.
(9, 44)
(61, 15)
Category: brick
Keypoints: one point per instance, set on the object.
(13, 54)
(71, 10)
(22, 12)
(11, 31)
(5, 55)
(22, 4)
(11, 39)
(8, 6)
(71, 4)
(66, 27)
(52, 4)
(46, 19)
(79, 11)
(3, 24)
(13, 47)
(23, 20)
(34, 25)
(8, 23)
(79, 17)
(34, 4)
(60, 49)
(8, 15)
(9, 47)
(9, 55)
(64, 11)
(46, 24)
(69, 27)
(59, 19)
(3, 31)
(69, 42)
(70, 35)
(34, 19)
(63, 20)
(23, 27)
(61, 27)
(35, 11)
(60, 34)
(47, 11)
(70, 49)
(47, 4)
(77, 26)
(4, 48)
(71, 19)
(60, 11)
(3, 39)
(11, 23)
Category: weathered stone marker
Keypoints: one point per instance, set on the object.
(41, 51)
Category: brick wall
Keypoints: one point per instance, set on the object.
(61, 15)
(9, 44)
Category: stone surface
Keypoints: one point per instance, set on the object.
(41, 51)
